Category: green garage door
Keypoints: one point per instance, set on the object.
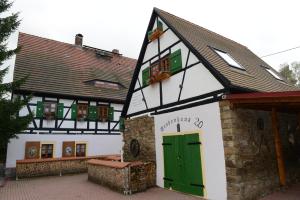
(182, 163)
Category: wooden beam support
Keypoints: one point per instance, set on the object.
(278, 148)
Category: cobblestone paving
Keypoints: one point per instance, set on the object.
(77, 187)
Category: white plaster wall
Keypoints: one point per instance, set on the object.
(171, 89)
(117, 106)
(192, 59)
(150, 92)
(96, 144)
(198, 80)
(214, 172)
(167, 39)
(152, 49)
(35, 99)
(136, 103)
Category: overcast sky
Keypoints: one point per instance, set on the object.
(264, 26)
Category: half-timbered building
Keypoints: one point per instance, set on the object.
(77, 95)
(200, 145)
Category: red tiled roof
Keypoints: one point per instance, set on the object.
(61, 68)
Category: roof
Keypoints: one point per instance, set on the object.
(288, 101)
(59, 68)
(255, 77)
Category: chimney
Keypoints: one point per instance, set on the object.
(78, 39)
(116, 51)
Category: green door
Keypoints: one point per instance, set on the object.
(182, 161)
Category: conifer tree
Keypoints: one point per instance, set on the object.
(10, 121)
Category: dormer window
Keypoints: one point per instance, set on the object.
(229, 59)
(104, 84)
(274, 74)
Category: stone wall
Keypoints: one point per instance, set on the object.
(53, 166)
(124, 177)
(114, 178)
(251, 166)
(141, 129)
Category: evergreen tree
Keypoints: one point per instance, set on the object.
(10, 121)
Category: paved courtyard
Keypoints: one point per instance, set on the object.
(74, 187)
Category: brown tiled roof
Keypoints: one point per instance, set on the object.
(255, 78)
(60, 68)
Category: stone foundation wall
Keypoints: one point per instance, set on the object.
(251, 166)
(141, 129)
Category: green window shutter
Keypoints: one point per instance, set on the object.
(175, 61)
(92, 113)
(122, 124)
(111, 114)
(40, 109)
(159, 25)
(146, 76)
(60, 110)
(149, 35)
(74, 111)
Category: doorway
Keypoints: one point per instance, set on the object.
(182, 163)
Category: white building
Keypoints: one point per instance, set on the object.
(182, 73)
(77, 98)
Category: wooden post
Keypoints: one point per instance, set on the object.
(278, 148)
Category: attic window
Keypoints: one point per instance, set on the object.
(274, 74)
(229, 59)
(104, 84)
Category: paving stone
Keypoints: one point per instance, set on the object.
(77, 187)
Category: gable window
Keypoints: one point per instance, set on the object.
(47, 151)
(82, 111)
(80, 150)
(50, 110)
(274, 74)
(229, 59)
(103, 113)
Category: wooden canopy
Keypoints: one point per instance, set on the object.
(274, 102)
(281, 101)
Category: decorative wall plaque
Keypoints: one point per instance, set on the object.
(134, 147)
(32, 152)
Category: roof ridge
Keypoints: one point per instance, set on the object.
(44, 38)
(204, 29)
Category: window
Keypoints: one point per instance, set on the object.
(274, 74)
(80, 150)
(164, 65)
(47, 151)
(82, 111)
(229, 59)
(103, 113)
(49, 110)
(104, 84)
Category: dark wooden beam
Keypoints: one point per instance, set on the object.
(278, 147)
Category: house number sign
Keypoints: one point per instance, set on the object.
(195, 121)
